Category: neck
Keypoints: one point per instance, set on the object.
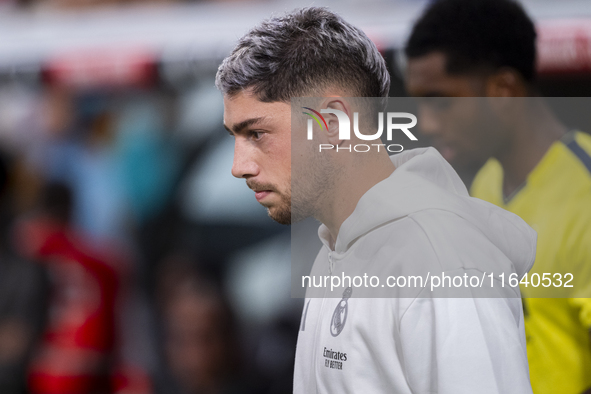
(533, 134)
(345, 195)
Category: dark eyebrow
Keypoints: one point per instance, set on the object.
(237, 128)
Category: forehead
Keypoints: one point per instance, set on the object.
(426, 76)
(244, 105)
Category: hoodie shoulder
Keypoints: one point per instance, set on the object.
(460, 244)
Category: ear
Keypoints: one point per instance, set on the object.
(506, 83)
(340, 104)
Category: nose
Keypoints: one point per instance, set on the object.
(244, 164)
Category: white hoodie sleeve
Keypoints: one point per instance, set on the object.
(465, 345)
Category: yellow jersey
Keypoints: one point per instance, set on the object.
(555, 200)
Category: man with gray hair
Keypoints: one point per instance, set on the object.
(307, 53)
(380, 214)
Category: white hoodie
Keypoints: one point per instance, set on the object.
(417, 220)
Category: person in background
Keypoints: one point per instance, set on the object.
(532, 164)
(23, 295)
(76, 352)
(200, 344)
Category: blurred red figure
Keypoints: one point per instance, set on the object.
(76, 353)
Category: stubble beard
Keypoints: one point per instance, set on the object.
(312, 186)
(281, 211)
(290, 210)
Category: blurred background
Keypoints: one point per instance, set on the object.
(130, 259)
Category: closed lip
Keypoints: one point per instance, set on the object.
(261, 194)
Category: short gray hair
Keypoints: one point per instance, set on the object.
(304, 52)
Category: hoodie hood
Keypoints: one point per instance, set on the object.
(422, 180)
